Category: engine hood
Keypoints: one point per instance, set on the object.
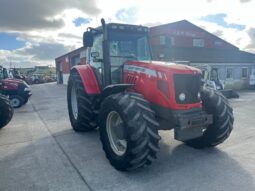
(13, 84)
(165, 66)
(11, 80)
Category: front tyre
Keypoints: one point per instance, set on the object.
(216, 104)
(80, 104)
(16, 101)
(128, 131)
(6, 111)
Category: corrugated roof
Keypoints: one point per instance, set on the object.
(70, 53)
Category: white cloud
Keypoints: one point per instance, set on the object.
(27, 15)
(51, 28)
(251, 46)
(231, 35)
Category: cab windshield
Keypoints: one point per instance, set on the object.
(3, 73)
(129, 46)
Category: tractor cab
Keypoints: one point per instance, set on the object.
(3, 73)
(111, 45)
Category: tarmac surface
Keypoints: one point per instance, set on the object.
(40, 151)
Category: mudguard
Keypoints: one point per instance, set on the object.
(113, 89)
(88, 78)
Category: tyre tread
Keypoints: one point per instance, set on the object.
(217, 105)
(86, 116)
(142, 128)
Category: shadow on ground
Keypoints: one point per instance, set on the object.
(178, 167)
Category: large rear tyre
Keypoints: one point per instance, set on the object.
(80, 104)
(128, 131)
(216, 104)
(6, 111)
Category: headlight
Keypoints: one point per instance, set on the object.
(198, 95)
(182, 96)
(28, 89)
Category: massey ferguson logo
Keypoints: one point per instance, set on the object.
(138, 69)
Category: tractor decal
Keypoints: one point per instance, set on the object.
(139, 69)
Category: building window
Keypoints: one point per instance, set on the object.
(214, 74)
(218, 43)
(229, 73)
(245, 73)
(198, 42)
(161, 56)
(162, 40)
(75, 60)
(172, 40)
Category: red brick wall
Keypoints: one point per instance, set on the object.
(64, 61)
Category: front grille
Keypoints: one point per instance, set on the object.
(131, 79)
(189, 84)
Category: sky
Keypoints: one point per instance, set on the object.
(35, 32)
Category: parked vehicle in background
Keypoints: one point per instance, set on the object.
(17, 90)
(6, 111)
(16, 74)
(210, 77)
(36, 75)
(41, 74)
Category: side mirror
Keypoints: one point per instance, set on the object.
(87, 39)
(94, 54)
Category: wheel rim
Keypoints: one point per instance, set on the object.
(15, 102)
(115, 132)
(74, 103)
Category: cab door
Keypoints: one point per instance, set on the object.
(95, 58)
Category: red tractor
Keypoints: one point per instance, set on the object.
(129, 97)
(17, 90)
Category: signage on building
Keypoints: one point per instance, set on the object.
(180, 32)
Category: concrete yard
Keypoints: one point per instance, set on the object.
(40, 151)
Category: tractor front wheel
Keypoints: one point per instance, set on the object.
(6, 111)
(16, 101)
(128, 131)
(80, 105)
(216, 104)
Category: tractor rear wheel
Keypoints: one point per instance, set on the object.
(6, 111)
(216, 104)
(80, 104)
(128, 131)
